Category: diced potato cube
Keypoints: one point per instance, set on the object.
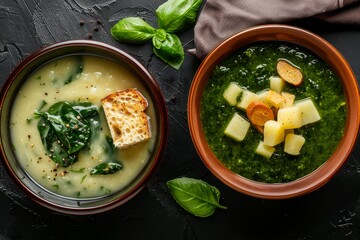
(237, 128)
(277, 84)
(274, 98)
(289, 100)
(263, 150)
(247, 98)
(309, 113)
(274, 133)
(290, 117)
(262, 96)
(293, 144)
(231, 93)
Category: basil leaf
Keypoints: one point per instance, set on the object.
(132, 30)
(106, 168)
(170, 50)
(195, 196)
(159, 38)
(176, 15)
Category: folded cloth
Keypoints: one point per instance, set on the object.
(219, 19)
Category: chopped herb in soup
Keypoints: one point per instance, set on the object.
(256, 68)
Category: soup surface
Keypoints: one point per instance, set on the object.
(76, 79)
(251, 67)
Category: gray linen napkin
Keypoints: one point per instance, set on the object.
(219, 19)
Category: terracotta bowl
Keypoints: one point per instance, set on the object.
(34, 190)
(319, 47)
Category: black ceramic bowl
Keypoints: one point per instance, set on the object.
(34, 190)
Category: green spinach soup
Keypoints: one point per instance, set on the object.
(251, 68)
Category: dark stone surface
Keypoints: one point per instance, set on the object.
(332, 212)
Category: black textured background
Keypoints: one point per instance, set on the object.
(332, 212)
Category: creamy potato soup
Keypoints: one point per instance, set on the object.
(77, 80)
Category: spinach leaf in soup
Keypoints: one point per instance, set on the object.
(86, 109)
(65, 130)
(64, 72)
(106, 168)
(75, 70)
(110, 164)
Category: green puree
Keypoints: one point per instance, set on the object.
(251, 68)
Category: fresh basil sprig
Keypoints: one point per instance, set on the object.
(132, 30)
(170, 50)
(173, 16)
(176, 15)
(195, 196)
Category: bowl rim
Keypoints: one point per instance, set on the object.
(317, 178)
(159, 104)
